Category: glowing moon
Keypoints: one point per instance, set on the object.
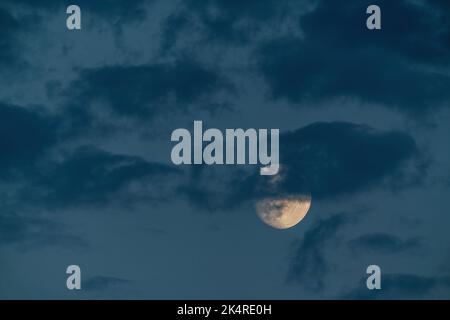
(283, 213)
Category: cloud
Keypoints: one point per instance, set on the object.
(403, 286)
(101, 283)
(326, 159)
(25, 135)
(230, 22)
(338, 158)
(8, 27)
(309, 265)
(115, 11)
(383, 243)
(144, 91)
(28, 232)
(400, 66)
(36, 170)
(12, 26)
(91, 176)
(20, 17)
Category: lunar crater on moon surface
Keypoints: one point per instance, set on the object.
(283, 212)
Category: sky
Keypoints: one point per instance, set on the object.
(86, 176)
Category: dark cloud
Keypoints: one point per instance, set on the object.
(30, 232)
(309, 265)
(100, 283)
(116, 11)
(25, 135)
(145, 91)
(235, 10)
(410, 29)
(338, 56)
(326, 159)
(91, 176)
(383, 243)
(440, 4)
(8, 28)
(336, 158)
(30, 139)
(12, 27)
(20, 17)
(231, 22)
(403, 286)
(171, 30)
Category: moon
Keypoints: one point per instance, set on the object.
(283, 212)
